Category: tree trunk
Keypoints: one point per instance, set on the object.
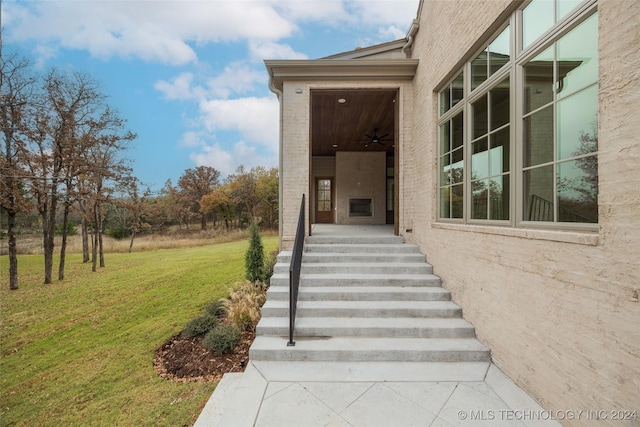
(63, 246)
(85, 240)
(13, 251)
(99, 233)
(203, 222)
(133, 235)
(48, 232)
(94, 243)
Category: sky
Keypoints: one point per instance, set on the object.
(189, 76)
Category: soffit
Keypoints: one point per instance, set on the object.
(340, 69)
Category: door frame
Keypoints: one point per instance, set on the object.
(332, 195)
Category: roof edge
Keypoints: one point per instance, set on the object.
(348, 69)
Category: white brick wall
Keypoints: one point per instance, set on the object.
(558, 310)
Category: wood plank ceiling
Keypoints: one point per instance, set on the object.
(343, 126)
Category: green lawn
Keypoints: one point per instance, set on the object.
(79, 352)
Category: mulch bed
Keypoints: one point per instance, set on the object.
(185, 359)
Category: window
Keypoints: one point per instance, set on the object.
(518, 137)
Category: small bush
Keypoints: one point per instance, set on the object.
(201, 325)
(221, 339)
(254, 258)
(269, 263)
(243, 305)
(216, 308)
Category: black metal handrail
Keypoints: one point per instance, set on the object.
(294, 273)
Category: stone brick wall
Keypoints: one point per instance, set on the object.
(558, 309)
(361, 175)
(295, 149)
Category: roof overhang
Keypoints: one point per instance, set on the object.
(339, 70)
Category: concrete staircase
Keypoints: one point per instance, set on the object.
(364, 299)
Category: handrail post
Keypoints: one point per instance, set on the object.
(294, 272)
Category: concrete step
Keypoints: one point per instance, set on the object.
(362, 257)
(361, 293)
(365, 309)
(357, 268)
(395, 327)
(359, 349)
(363, 240)
(363, 248)
(358, 279)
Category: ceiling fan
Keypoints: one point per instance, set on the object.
(375, 139)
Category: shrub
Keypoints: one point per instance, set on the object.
(269, 263)
(222, 338)
(254, 258)
(216, 308)
(243, 305)
(201, 325)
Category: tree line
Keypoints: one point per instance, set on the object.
(63, 159)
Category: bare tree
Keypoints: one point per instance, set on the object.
(16, 86)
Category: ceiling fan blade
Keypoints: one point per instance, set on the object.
(383, 136)
(370, 137)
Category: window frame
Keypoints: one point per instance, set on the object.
(514, 70)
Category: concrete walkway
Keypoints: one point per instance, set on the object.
(370, 394)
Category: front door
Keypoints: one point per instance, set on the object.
(324, 200)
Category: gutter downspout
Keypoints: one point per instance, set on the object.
(412, 32)
(278, 92)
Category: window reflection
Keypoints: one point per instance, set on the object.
(577, 118)
(578, 57)
(538, 194)
(538, 81)
(499, 153)
(538, 137)
(537, 18)
(578, 190)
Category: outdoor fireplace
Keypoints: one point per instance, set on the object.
(360, 207)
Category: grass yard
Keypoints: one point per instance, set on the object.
(79, 352)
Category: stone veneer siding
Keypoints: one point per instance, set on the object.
(559, 310)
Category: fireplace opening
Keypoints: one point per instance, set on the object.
(360, 207)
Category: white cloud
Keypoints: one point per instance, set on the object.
(149, 30)
(179, 88)
(192, 139)
(227, 161)
(236, 78)
(165, 31)
(260, 50)
(255, 118)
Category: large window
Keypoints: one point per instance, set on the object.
(518, 135)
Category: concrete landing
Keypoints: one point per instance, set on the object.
(319, 394)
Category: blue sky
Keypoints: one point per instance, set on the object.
(188, 75)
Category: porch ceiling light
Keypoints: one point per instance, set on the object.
(341, 100)
(335, 145)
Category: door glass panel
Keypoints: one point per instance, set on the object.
(324, 195)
